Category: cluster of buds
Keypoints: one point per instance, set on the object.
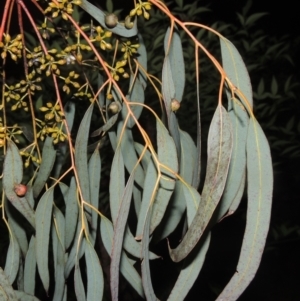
(11, 46)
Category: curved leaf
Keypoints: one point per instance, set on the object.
(260, 188)
(190, 271)
(235, 69)
(235, 184)
(43, 215)
(219, 153)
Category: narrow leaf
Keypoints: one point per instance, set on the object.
(235, 69)
(260, 188)
(94, 176)
(146, 274)
(81, 154)
(190, 271)
(71, 213)
(237, 168)
(119, 228)
(129, 154)
(12, 259)
(175, 54)
(43, 224)
(219, 153)
(48, 155)
(30, 268)
(95, 280)
(126, 268)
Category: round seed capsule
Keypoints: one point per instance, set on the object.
(111, 20)
(20, 189)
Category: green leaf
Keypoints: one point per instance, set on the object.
(126, 268)
(18, 231)
(48, 155)
(30, 268)
(95, 281)
(146, 274)
(149, 193)
(12, 175)
(235, 184)
(94, 176)
(58, 236)
(190, 271)
(119, 228)
(175, 54)
(116, 184)
(167, 156)
(260, 188)
(218, 158)
(12, 259)
(129, 154)
(75, 252)
(43, 224)
(81, 155)
(251, 20)
(99, 15)
(6, 291)
(71, 213)
(142, 59)
(235, 69)
(78, 283)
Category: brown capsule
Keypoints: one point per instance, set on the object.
(111, 20)
(20, 189)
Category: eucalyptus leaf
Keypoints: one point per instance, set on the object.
(12, 175)
(81, 160)
(95, 280)
(48, 155)
(260, 188)
(219, 153)
(30, 268)
(12, 259)
(235, 69)
(43, 223)
(71, 213)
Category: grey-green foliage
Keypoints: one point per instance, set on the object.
(153, 176)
